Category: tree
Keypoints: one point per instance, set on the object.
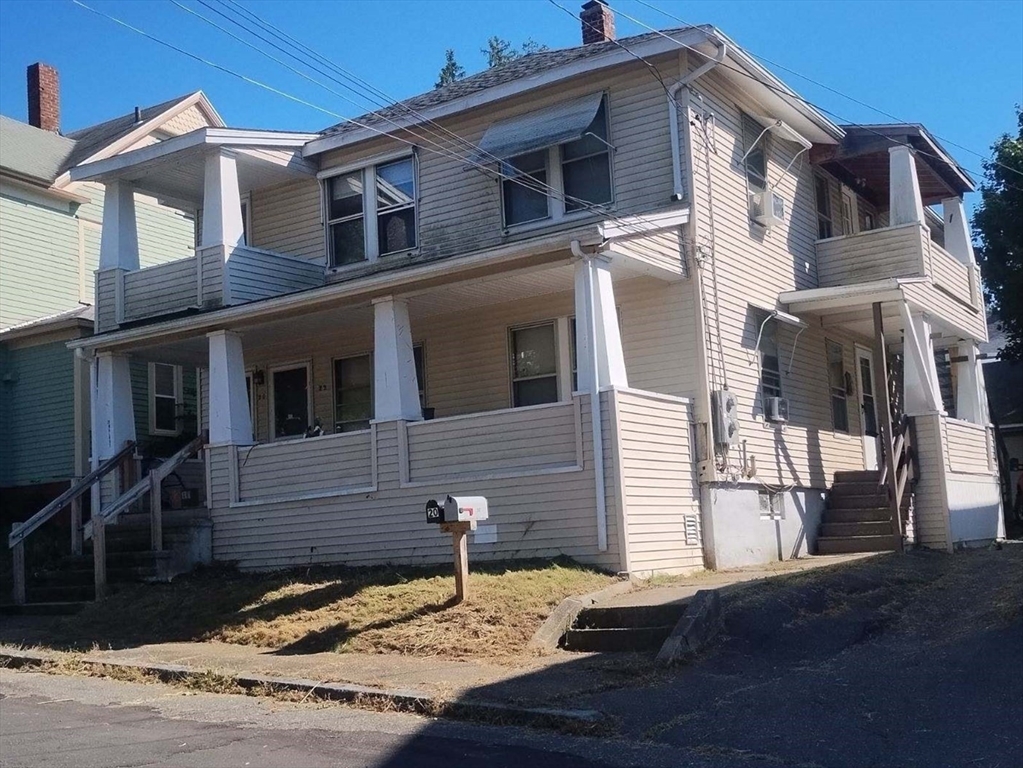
(498, 52)
(998, 223)
(531, 46)
(451, 70)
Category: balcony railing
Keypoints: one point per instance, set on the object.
(902, 251)
(216, 276)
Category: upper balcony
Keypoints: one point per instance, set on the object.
(901, 171)
(210, 172)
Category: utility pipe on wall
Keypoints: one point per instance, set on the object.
(676, 153)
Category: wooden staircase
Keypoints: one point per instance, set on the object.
(858, 516)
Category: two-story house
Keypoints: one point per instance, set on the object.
(49, 250)
(653, 320)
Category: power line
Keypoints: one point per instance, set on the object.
(826, 87)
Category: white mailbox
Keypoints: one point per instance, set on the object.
(465, 509)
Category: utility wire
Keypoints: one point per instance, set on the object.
(826, 87)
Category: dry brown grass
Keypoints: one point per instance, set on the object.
(378, 610)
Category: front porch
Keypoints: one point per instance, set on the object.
(335, 414)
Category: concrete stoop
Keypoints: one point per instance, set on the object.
(623, 628)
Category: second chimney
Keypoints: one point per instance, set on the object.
(598, 22)
(44, 97)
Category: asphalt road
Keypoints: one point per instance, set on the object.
(72, 722)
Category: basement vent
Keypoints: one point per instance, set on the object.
(772, 505)
(692, 523)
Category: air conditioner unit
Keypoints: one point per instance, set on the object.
(768, 208)
(777, 410)
(726, 417)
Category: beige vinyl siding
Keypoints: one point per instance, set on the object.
(948, 273)
(286, 219)
(557, 516)
(750, 265)
(467, 356)
(944, 306)
(460, 208)
(967, 449)
(870, 256)
(190, 119)
(161, 289)
(257, 275)
(663, 250)
(658, 482)
(930, 497)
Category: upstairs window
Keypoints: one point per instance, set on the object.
(363, 226)
(561, 179)
(755, 147)
(822, 191)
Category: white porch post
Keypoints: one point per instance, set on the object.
(922, 394)
(971, 398)
(396, 389)
(957, 230)
(119, 240)
(230, 420)
(905, 202)
(221, 202)
(113, 415)
(597, 316)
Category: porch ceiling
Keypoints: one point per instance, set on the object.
(453, 298)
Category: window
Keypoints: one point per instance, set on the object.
(165, 385)
(534, 365)
(755, 146)
(418, 354)
(250, 393)
(353, 393)
(836, 381)
(350, 239)
(289, 401)
(772, 505)
(581, 170)
(247, 219)
(823, 194)
(586, 165)
(770, 368)
(848, 212)
(866, 221)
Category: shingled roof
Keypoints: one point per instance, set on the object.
(529, 65)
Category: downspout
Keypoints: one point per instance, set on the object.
(676, 154)
(597, 427)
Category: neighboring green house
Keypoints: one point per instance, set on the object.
(50, 231)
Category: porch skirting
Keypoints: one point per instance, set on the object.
(359, 498)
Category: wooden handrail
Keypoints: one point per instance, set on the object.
(19, 533)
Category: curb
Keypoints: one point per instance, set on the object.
(547, 637)
(417, 702)
(697, 627)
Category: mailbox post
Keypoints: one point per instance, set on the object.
(458, 516)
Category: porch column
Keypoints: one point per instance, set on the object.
(920, 373)
(113, 415)
(971, 397)
(597, 317)
(230, 420)
(905, 202)
(396, 389)
(221, 202)
(119, 240)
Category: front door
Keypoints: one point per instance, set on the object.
(868, 407)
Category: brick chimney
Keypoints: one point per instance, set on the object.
(598, 22)
(44, 97)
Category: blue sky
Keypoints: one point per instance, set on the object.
(957, 67)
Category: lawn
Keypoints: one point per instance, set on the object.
(368, 610)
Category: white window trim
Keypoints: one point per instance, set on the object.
(246, 200)
(562, 357)
(308, 365)
(556, 212)
(371, 241)
(178, 400)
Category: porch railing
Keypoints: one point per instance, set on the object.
(121, 462)
(900, 474)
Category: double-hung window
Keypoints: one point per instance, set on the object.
(755, 146)
(353, 389)
(165, 398)
(770, 368)
(534, 364)
(822, 190)
(565, 178)
(371, 212)
(837, 385)
(290, 404)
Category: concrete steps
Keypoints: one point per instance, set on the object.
(848, 544)
(610, 629)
